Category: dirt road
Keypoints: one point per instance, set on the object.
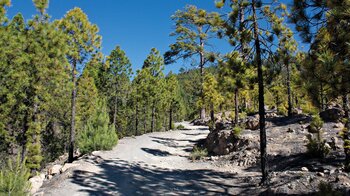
(151, 164)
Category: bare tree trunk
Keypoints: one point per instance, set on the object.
(347, 133)
(136, 119)
(72, 127)
(201, 66)
(289, 91)
(263, 153)
(236, 107)
(153, 117)
(115, 112)
(145, 119)
(323, 105)
(212, 116)
(170, 117)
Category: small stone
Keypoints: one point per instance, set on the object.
(290, 130)
(320, 174)
(305, 169)
(49, 177)
(55, 169)
(67, 166)
(327, 171)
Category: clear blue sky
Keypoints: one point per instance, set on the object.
(135, 25)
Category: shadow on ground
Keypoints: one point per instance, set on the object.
(126, 178)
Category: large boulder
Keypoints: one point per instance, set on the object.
(201, 122)
(219, 142)
(332, 114)
(252, 122)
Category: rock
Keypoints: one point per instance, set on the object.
(36, 183)
(252, 122)
(320, 174)
(339, 126)
(49, 177)
(332, 115)
(290, 130)
(53, 170)
(297, 111)
(222, 142)
(222, 126)
(201, 122)
(39, 194)
(218, 140)
(63, 158)
(67, 166)
(305, 169)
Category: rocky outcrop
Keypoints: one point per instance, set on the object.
(252, 122)
(201, 122)
(222, 142)
(333, 114)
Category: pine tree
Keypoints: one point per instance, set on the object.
(154, 65)
(194, 28)
(117, 76)
(253, 34)
(83, 41)
(212, 97)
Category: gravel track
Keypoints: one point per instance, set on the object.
(151, 164)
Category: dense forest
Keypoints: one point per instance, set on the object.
(60, 94)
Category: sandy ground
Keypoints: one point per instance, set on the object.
(151, 164)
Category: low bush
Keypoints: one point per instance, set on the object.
(14, 178)
(237, 131)
(198, 153)
(180, 127)
(317, 146)
(97, 134)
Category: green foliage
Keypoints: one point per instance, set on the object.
(97, 133)
(198, 153)
(316, 123)
(237, 131)
(14, 178)
(180, 127)
(317, 146)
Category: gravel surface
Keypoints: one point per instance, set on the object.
(151, 164)
(159, 164)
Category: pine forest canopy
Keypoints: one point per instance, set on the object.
(59, 92)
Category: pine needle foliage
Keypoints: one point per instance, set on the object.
(97, 133)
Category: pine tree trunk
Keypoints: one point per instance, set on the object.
(323, 105)
(263, 153)
(153, 117)
(347, 133)
(115, 112)
(236, 107)
(212, 116)
(170, 117)
(145, 119)
(201, 66)
(72, 128)
(136, 119)
(289, 92)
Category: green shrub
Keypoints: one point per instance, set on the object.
(14, 178)
(282, 110)
(317, 146)
(97, 134)
(326, 189)
(198, 153)
(180, 127)
(237, 131)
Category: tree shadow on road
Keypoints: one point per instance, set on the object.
(124, 178)
(156, 152)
